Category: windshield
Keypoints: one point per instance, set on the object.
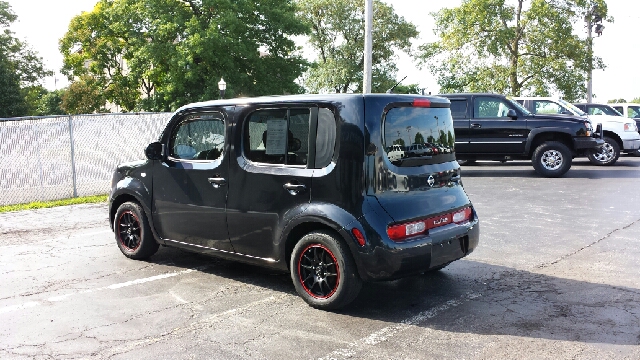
(572, 108)
(519, 107)
(425, 134)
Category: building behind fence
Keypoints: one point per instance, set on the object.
(50, 158)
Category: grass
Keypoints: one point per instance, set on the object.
(54, 203)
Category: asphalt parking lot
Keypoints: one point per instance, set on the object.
(555, 276)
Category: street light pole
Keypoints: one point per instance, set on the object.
(590, 55)
(368, 46)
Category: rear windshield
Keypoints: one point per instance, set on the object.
(424, 135)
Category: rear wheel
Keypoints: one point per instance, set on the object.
(608, 154)
(323, 272)
(552, 159)
(133, 233)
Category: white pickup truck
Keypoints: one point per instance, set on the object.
(620, 134)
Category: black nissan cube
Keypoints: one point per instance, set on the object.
(303, 184)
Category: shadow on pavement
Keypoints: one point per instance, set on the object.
(483, 299)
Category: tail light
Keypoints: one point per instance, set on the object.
(421, 103)
(402, 231)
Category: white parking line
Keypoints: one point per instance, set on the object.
(60, 238)
(52, 299)
(384, 334)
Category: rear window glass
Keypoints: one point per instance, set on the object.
(415, 136)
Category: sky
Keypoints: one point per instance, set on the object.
(41, 23)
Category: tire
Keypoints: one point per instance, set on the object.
(607, 155)
(323, 272)
(552, 159)
(133, 233)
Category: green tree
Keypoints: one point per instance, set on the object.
(399, 142)
(407, 89)
(419, 139)
(636, 100)
(512, 47)
(84, 96)
(337, 35)
(161, 54)
(616, 101)
(20, 68)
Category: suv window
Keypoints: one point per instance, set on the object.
(420, 128)
(633, 111)
(602, 110)
(277, 136)
(198, 137)
(488, 107)
(459, 109)
(547, 107)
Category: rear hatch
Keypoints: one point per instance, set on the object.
(420, 184)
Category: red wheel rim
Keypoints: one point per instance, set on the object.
(318, 271)
(129, 230)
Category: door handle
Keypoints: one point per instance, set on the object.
(294, 189)
(217, 181)
(476, 126)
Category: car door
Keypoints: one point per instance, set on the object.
(461, 120)
(491, 131)
(191, 184)
(271, 178)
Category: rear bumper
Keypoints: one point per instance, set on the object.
(584, 142)
(441, 246)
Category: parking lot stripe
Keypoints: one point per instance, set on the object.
(19, 307)
(385, 333)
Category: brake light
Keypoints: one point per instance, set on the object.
(402, 231)
(421, 103)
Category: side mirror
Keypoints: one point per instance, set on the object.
(512, 114)
(154, 151)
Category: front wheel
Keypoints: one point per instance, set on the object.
(552, 159)
(133, 233)
(607, 155)
(323, 272)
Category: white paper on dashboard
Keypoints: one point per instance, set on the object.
(276, 137)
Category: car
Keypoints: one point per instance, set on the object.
(620, 134)
(304, 184)
(395, 152)
(493, 127)
(420, 150)
(628, 110)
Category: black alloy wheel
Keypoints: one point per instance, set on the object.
(323, 271)
(133, 233)
(318, 271)
(129, 231)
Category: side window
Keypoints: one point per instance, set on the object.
(277, 136)
(459, 109)
(487, 107)
(619, 109)
(198, 137)
(633, 111)
(325, 138)
(595, 111)
(546, 107)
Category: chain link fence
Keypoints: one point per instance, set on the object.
(50, 158)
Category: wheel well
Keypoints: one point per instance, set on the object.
(614, 136)
(301, 230)
(550, 136)
(119, 201)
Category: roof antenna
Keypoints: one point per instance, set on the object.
(390, 91)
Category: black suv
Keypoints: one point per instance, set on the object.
(302, 183)
(493, 127)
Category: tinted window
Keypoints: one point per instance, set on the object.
(488, 107)
(547, 107)
(426, 132)
(198, 137)
(633, 111)
(602, 110)
(277, 136)
(325, 138)
(459, 109)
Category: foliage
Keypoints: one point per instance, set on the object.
(512, 47)
(407, 89)
(20, 68)
(48, 204)
(399, 142)
(616, 101)
(419, 138)
(636, 100)
(84, 96)
(337, 35)
(160, 54)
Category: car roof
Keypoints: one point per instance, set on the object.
(625, 104)
(470, 94)
(308, 98)
(593, 104)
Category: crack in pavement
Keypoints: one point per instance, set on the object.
(545, 265)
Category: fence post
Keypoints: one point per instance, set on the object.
(73, 160)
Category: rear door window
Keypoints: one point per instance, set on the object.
(429, 131)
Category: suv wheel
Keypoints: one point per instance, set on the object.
(552, 159)
(323, 272)
(607, 155)
(133, 233)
